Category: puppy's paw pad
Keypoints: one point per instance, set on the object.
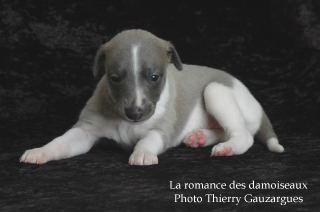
(143, 159)
(222, 150)
(35, 156)
(195, 139)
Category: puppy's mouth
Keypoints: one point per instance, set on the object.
(135, 120)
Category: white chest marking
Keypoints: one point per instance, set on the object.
(127, 132)
(130, 133)
(136, 65)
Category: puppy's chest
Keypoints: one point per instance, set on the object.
(125, 132)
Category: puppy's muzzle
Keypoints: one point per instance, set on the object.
(134, 113)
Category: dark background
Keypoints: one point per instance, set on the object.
(47, 50)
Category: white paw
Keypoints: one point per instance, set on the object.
(36, 156)
(143, 159)
(222, 149)
(195, 139)
(236, 145)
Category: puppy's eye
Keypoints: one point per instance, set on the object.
(154, 77)
(115, 78)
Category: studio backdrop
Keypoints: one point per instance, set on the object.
(47, 53)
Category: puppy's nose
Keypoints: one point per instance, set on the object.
(134, 113)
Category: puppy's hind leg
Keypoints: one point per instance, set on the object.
(221, 104)
(74, 142)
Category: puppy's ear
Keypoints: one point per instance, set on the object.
(99, 63)
(174, 57)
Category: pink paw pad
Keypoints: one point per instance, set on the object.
(195, 139)
(224, 150)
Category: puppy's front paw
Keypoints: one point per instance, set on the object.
(36, 156)
(138, 158)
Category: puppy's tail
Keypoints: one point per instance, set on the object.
(267, 135)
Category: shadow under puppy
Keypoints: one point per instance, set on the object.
(147, 99)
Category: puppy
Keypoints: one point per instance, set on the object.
(148, 100)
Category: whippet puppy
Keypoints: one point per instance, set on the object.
(148, 100)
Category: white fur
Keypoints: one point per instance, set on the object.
(136, 65)
(147, 149)
(234, 108)
(220, 101)
(75, 141)
(198, 119)
(249, 107)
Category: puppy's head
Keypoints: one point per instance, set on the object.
(135, 63)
